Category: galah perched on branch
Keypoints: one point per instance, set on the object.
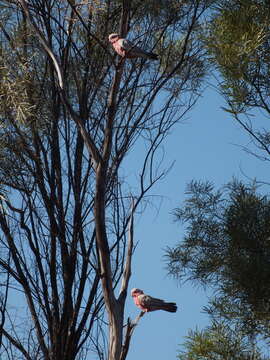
(147, 303)
(127, 49)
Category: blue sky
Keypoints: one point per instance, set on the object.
(207, 146)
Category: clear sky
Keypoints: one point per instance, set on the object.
(206, 147)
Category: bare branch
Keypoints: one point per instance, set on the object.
(17, 345)
(43, 42)
(130, 327)
(127, 269)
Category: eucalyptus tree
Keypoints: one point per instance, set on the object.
(237, 39)
(226, 242)
(219, 342)
(226, 247)
(71, 113)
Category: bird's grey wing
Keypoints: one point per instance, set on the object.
(147, 301)
(127, 45)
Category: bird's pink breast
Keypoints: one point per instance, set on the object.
(118, 48)
(137, 302)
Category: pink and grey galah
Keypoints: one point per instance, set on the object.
(148, 303)
(127, 49)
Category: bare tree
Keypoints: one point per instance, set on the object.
(71, 111)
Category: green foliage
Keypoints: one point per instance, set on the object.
(18, 75)
(227, 246)
(14, 82)
(248, 229)
(193, 67)
(238, 43)
(218, 342)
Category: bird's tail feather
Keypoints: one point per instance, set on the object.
(170, 307)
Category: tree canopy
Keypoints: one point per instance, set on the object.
(238, 44)
(71, 111)
(226, 246)
(237, 40)
(219, 342)
(226, 241)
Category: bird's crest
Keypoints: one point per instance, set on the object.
(136, 291)
(113, 36)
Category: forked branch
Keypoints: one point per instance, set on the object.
(129, 331)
